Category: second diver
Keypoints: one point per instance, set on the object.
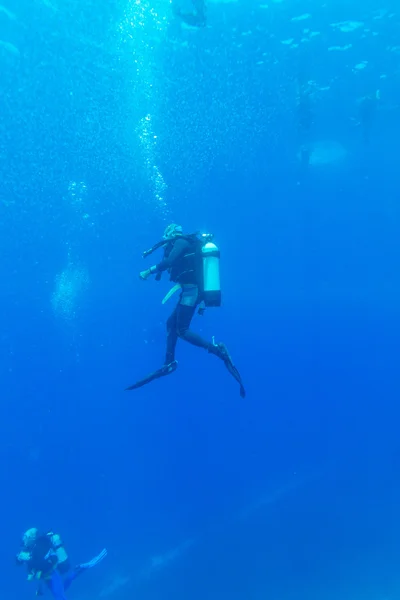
(48, 564)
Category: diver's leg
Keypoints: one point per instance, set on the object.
(56, 586)
(185, 310)
(72, 574)
(172, 337)
(170, 363)
(184, 318)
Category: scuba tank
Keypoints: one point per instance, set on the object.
(210, 255)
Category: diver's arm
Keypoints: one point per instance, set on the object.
(179, 248)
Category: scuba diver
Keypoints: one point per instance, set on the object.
(47, 562)
(195, 16)
(193, 265)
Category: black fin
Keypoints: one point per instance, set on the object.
(231, 368)
(165, 370)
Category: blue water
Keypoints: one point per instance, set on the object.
(116, 120)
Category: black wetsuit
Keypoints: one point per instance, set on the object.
(181, 259)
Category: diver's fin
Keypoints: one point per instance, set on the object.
(95, 561)
(222, 352)
(165, 370)
(235, 373)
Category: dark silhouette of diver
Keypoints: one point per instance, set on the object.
(193, 264)
(195, 17)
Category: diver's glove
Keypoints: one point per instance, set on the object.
(146, 274)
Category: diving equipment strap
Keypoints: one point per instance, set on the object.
(165, 370)
(171, 292)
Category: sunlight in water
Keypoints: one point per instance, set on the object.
(148, 143)
(72, 281)
(68, 289)
(77, 198)
(141, 29)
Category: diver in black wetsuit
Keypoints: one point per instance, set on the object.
(183, 259)
(196, 17)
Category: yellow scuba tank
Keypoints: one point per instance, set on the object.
(211, 280)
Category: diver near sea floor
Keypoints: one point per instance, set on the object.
(48, 564)
(193, 265)
(195, 16)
